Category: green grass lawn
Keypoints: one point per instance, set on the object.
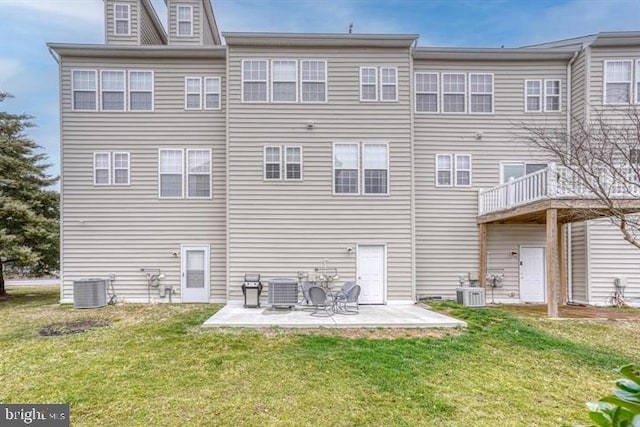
(154, 365)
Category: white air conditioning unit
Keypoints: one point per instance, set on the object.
(470, 297)
(283, 292)
(90, 293)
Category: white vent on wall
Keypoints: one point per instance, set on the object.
(89, 293)
(470, 297)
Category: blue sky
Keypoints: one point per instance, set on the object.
(30, 73)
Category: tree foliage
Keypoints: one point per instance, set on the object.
(622, 407)
(29, 209)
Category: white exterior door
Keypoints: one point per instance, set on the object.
(532, 274)
(195, 273)
(372, 272)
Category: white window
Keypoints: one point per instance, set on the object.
(345, 168)
(444, 170)
(272, 163)
(453, 93)
(514, 170)
(212, 93)
(192, 93)
(375, 168)
(185, 20)
(121, 169)
(533, 95)
(254, 80)
(388, 84)
(480, 93)
(199, 173)
(112, 89)
(171, 173)
(284, 83)
(463, 170)
(314, 80)
(122, 15)
(617, 82)
(368, 84)
(293, 163)
(426, 92)
(141, 90)
(552, 95)
(101, 168)
(84, 85)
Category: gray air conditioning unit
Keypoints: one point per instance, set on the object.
(90, 293)
(283, 292)
(470, 297)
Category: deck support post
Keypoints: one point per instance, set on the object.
(552, 255)
(562, 247)
(482, 240)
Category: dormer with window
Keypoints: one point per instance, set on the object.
(191, 22)
(132, 22)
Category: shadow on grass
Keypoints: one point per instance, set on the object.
(31, 296)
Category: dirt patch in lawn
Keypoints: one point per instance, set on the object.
(352, 333)
(72, 327)
(574, 311)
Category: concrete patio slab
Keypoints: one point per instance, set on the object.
(370, 316)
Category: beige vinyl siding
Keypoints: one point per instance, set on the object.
(446, 230)
(123, 229)
(111, 36)
(148, 33)
(579, 262)
(196, 37)
(280, 228)
(578, 86)
(207, 34)
(596, 67)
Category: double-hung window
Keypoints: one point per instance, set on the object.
(185, 20)
(112, 87)
(212, 93)
(293, 163)
(284, 83)
(141, 90)
(122, 14)
(480, 93)
(375, 168)
(388, 84)
(254, 80)
(533, 96)
(444, 170)
(463, 170)
(111, 168)
(313, 80)
(368, 84)
(85, 90)
(426, 85)
(552, 95)
(272, 163)
(453, 170)
(199, 173)
(617, 82)
(171, 173)
(121, 168)
(192, 93)
(345, 168)
(102, 168)
(453, 92)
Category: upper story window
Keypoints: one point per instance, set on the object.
(293, 163)
(379, 84)
(426, 85)
(617, 82)
(463, 170)
(453, 92)
(533, 95)
(481, 93)
(284, 82)
(368, 84)
(122, 13)
(212, 93)
(185, 20)
(199, 173)
(314, 80)
(171, 163)
(552, 95)
(388, 84)
(375, 168)
(141, 90)
(274, 155)
(112, 90)
(516, 169)
(272, 162)
(111, 168)
(172, 173)
(192, 93)
(101, 168)
(254, 80)
(84, 85)
(453, 170)
(121, 168)
(444, 170)
(345, 168)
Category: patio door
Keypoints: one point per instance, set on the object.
(532, 274)
(195, 273)
(372, 271)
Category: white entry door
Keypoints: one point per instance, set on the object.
(371, 270)
(532, 274)
(195, 273)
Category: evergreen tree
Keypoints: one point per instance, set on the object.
(29, 210)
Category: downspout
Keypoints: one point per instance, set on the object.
(227, 177)
(412, 202)
(567, 230)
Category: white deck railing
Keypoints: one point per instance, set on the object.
(553, 182)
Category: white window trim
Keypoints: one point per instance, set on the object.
(272, 81)
(187, 175)
(493, 91)
(178, 6)
(153, 87)
(113, 166)
(73, 90)
(264, 163)
(455, 173)
(395, 70)
(191, 93)
(559, 95)
(265, 81)
(605, 81)
(375, 84)
(522, 163)
(160, 150)
(443, 93)
(415, 98)
(108, 168)
(124, 92)
(115, 20)
(325, 81)
(386, 193)
(301, 163)
(636, 80)
(205, 93)
(540, 96)
(451, 170)
(333, 169)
